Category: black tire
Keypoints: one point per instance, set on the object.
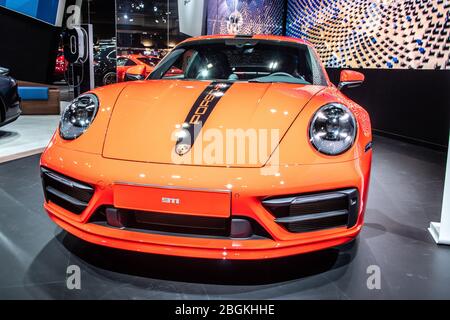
(109, 78)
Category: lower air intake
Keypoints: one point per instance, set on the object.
(69, 194)
(313, 212)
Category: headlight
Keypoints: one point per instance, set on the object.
(332, 130)
(78, 116)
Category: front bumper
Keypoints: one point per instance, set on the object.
(248, 188)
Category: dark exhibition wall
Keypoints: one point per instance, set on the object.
(102, 15)
(28, 46)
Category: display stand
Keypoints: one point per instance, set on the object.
(441, 231)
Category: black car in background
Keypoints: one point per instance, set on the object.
(105, 66)
(9, 98)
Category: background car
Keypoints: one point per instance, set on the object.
(105, 66)
(127, 61)
(9, 98)
(60, 66)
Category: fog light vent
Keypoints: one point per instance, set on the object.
(241, 228)
(116, 218)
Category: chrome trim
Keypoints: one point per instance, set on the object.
(318, 197)
(278, 202)
(170, 187)
(306, 198)
(66, 181)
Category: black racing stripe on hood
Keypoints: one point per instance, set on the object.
(199, 113)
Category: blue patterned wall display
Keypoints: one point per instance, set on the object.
(45, 10)
(374, 33)
(245, 17)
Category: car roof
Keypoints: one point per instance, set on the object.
(136, 56)
(256, 37)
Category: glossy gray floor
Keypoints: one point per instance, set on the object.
(405, 195)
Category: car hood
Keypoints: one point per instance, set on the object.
(148, 115)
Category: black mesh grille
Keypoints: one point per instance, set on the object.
(66, 192)
(172, 224)
(317, 224)
(312, 212)
(181, 223)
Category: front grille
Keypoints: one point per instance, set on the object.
(172, 224)
(72, 195)
(312, 212)
(158, 222)
(180, 223)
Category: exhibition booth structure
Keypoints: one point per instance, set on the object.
(441, 230)
(114, 158)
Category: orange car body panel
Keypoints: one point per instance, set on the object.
(125, 156)
(351, 76)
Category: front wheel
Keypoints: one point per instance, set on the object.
(109, 78)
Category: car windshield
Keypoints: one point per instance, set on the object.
(237, 60)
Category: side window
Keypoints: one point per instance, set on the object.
(130, 62)
(176, 70)
(121, 61)
(182, 66)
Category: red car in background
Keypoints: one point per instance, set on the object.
(127, 61)
(60, 66)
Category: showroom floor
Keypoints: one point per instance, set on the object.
(405, 195)
(27, 135)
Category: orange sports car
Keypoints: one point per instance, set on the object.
(249, 153)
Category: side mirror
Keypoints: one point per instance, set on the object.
(135, 73)
(350, 79)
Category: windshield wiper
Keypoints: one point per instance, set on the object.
(286, 78)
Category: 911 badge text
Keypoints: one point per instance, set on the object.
(170, 200)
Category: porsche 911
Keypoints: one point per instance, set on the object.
(249, 152)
